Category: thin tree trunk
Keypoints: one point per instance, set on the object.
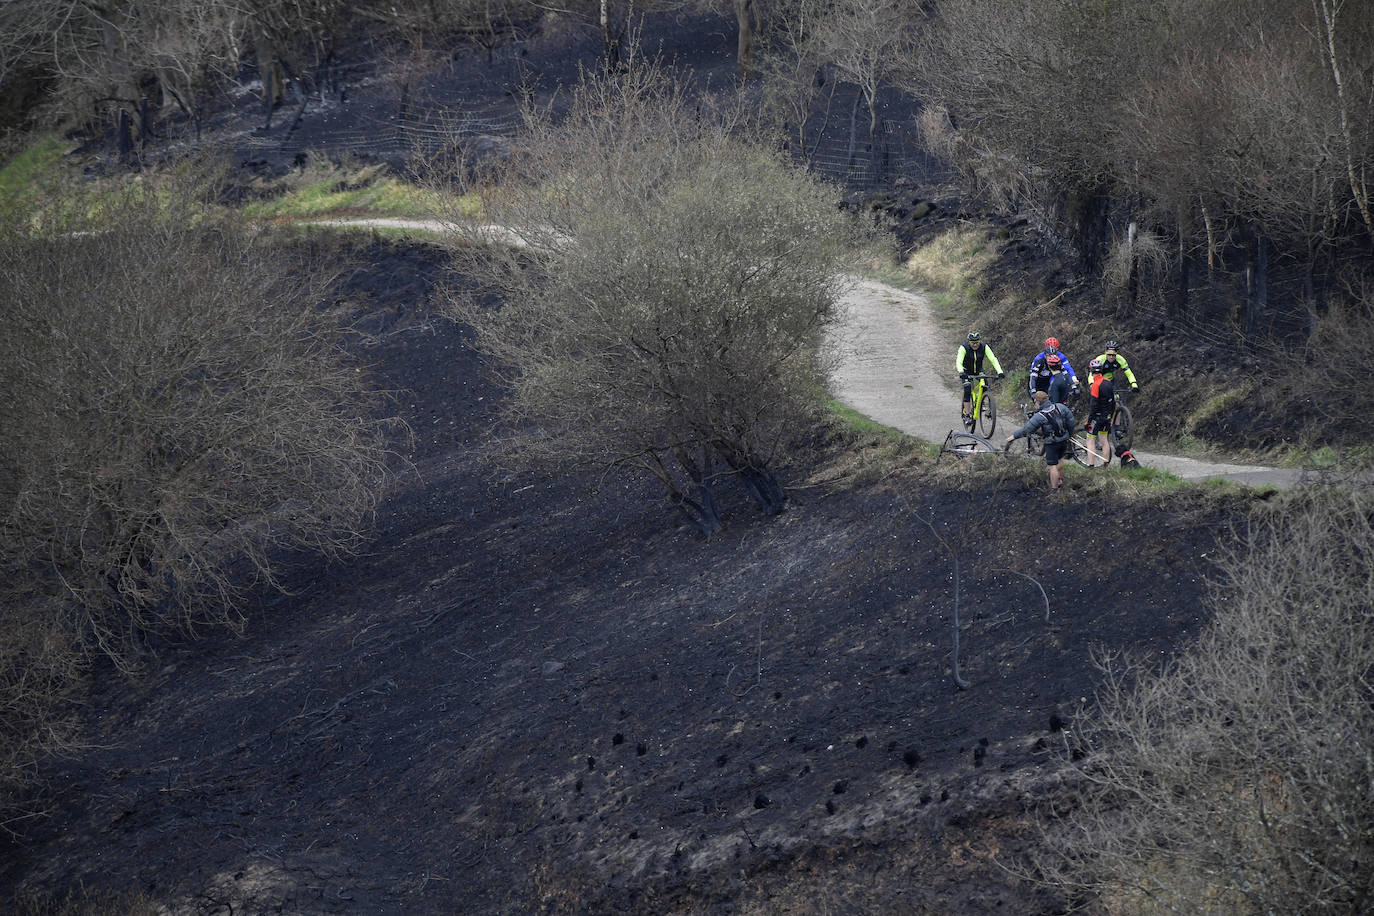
(1132, 273)
(825, 123)
(745, 52)
(610, 42)
(1258, 299)
(1327, 10)
(853, 130)
(1211, 239)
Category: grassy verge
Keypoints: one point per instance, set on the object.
(861, 424)
(33, 175)
(326, 188)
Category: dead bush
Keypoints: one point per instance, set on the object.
(1139, 257)
(179, 416)
(1237, 778)
(39, 670)
(663, 285)
(178, 412)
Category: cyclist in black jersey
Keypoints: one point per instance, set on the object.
(1103, 404)
(969, 361)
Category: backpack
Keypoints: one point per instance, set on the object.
(1059, 425)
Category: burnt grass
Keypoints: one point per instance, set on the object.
(534, 694)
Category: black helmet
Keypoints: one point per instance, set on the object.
(974, 337)
(1111, 345)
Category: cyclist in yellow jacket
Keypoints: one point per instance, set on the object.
(969, 361)
(1112, 363)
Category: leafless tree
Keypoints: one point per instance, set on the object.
(790, 62)
(867, 42)
(123, 60)
(178, 413)
(1237, 777)
(663, 285)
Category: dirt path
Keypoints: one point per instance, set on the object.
(896, 366)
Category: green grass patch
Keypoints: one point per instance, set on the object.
(859, 423)
(325, 188)
(1215, 406)
(359, 197)
(1152, 477)
(34, 175)
(956, 261)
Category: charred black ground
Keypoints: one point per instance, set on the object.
(535, 695)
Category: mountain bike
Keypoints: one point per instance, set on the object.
(982, 415)
(1078, 450)
(1121, 425)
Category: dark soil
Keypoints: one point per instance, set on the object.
(548, 694)
(533, 695)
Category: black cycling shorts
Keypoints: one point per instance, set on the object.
(1097, 424)
(1054, 452)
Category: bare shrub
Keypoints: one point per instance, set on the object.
(1237, 779)
(178, 412)
(1136, 262)
(663, 286)
(39, 669)
(1327, 359)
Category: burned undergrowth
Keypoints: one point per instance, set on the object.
(531, 694)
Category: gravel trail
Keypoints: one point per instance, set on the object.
(896, 365)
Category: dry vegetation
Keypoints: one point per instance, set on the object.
(663, 293)
(1237, 778)
(179, 415)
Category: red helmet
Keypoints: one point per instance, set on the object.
(1051, 343)
(1053, 361)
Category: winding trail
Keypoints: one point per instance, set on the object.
(896, 365)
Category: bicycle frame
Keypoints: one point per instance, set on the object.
(982, 406)
(980, 387)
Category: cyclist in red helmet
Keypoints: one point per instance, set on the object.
(1043, 372)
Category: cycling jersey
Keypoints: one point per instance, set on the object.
(969, 360)
(1040, 373)
(1114, 363)
(1103, 393)
(1059, 388)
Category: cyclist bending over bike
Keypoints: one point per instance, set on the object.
(969, 361)
(1053, 421)
(1101, 407)
(1044, 368)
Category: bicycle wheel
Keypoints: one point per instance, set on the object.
(1121, 428)
(1079, 449)
(964, 445)
(987, 415)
